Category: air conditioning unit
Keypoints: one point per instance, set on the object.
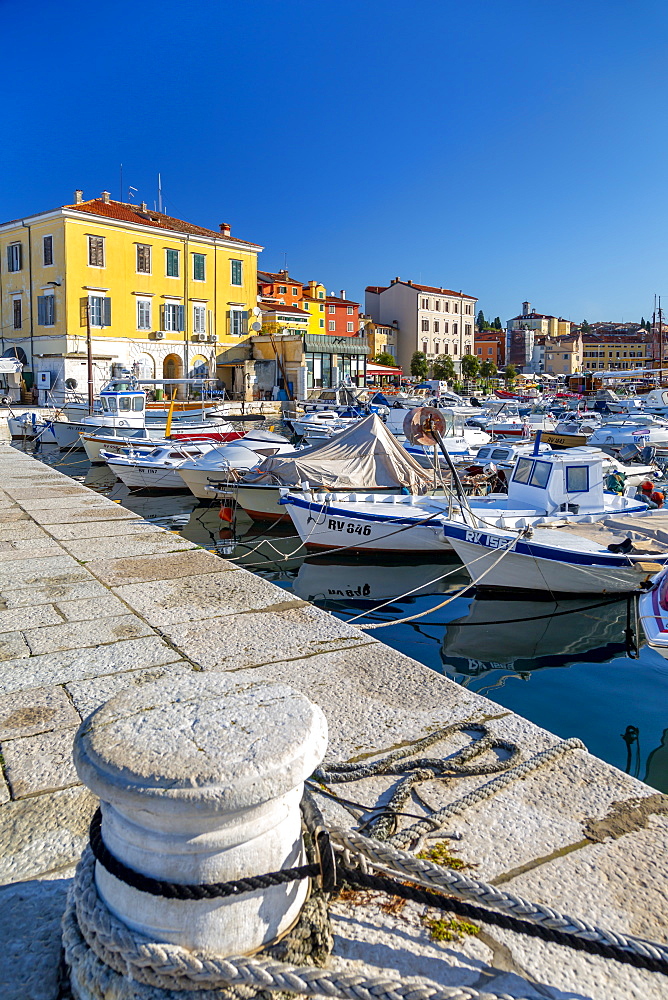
(159, 334)
(199, 337)
(213, 338)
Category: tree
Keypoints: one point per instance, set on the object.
(510, 373)
(385, 359)
(488, 370)
(470, 366)
(480, 321)
(585, 327)
(419, 366)
(443, 368)
(496, 325)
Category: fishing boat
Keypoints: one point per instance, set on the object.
(653, 611)
(640, 430)
(238, 457)
(543, 488)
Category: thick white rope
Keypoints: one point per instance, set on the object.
(88, 922)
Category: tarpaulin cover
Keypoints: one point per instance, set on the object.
(364, 457)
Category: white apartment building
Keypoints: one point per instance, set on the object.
(432, 320)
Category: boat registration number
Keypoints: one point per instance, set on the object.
(352, 529)
(491, 541)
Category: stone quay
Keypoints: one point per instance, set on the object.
(99, 608)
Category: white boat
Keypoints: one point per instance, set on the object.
(459, 438)
(214, 468)
(320, 425)
(638, 430)
(653, 612)
(543, 488)
(156, 469)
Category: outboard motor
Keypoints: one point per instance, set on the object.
(648, 454)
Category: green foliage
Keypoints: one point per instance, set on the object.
(419, 366)
(470, 366)
(496, 325)
(443, 368)
(480, 320)
(385, 359)
(488, 370)
(585, 327)
(439, 853)
(510, 373)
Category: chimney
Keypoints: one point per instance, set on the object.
(409, 281)
(395, 280)
(143, 206)
(225, 228)
(78, 196)
(343, 293)
(105, 197)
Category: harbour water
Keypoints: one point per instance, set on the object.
(578, 668)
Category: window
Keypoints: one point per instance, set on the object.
(523, 470)
(332, 309)
(318, 371)
(99, 310)
(17, 314)
(446, 347)
(172, 316)
(198, 267)
(322, 308)
(172, 260)
(436, 326)
(437, 304)
(437, 347)
(322, 324)
(332, 325)
(199, 317)
(467, 348)
(143, 314)
(456, 307)
(425, 347)
(490, 350)
(46, 310)
(446, 307)
(321, 295)
(479, 350)
(14, 256)
(445, 327)
(96, 251)
(282, 289)
(577, 478)
(454, 346)
(294, 291)
(425, 325)
(306, 306)
(237, 322)
(235, 272)
(350, 310)
(47, 250)
(143, 259)
(350, 327)
(455, 328)
(467, 329)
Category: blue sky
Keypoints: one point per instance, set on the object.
(512, 149)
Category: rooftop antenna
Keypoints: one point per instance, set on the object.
(131, 192)
(285, 261)
(121, 187)
(159, 194)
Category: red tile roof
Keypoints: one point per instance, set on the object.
(334, 299)
(375, 288)
(278, 308)
(124, 212)
(420, 288)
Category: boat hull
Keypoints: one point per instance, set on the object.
(324, 526)
(531, 567)
(654, 617)
(144, 478)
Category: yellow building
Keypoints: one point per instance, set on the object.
(381, 337)
(314, 303)
(163, 297)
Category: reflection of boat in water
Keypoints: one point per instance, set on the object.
(355, 582)
(490, 637)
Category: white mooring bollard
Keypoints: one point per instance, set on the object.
(200, 780)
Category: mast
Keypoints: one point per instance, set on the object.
(660, 342)
(89, 353)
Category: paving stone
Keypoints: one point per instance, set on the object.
(37, 710)
(12, 515)
(103, 529)
(29, 549)
(97, 514)
(90, 694)
(19, 619)
(4, 794)
(23, 490)
(116, 572)
(30, 596)
(91, 609)
(50, 570)
(79, 634)
(77, 664)
(192, 598)
(31, 912)
(44, 833)
(21, 530)
(260, 637)
(80, 501)
(41, 763)
(12, 646)
(117, 548)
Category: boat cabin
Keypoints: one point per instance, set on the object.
(123, 402)
(558, 483)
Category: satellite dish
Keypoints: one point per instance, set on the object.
(257, 311)
(421, 422)
(71, 383)
(256, 326)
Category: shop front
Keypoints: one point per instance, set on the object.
(333, 360)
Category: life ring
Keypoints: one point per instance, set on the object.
(123, 423)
